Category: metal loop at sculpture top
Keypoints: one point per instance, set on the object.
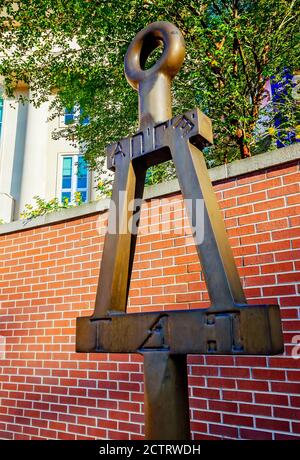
(154, 84)
(144, 43)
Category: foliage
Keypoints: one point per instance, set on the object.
(75, 48)
(43, 207)
(160, 173)
(2, 222)
(278, 123)
(104, 185)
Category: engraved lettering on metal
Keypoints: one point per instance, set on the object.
(229, 325)
(117, 151)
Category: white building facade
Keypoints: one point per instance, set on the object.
(32, 163)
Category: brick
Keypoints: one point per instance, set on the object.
(289, 277)
(178, 288)
(252, 293)
(225, 184)
(219, 360)
(257, 385)
(235, 372)
(288, 212)
(255, 409)
(274, 246)
(206, 393)
(259, 259)
(285, 387)
(253, 218)
(239, 420)
(274, 399)
(131, 427)
(287, 255)
(284, 412)
(223, 406)
(272, 424)
(236, 191)
(242, 210)
(293, 376)
(206, 416)
(289, 302)
(253, 197)
(257, 435)
(266, 184)
(204, 371)
(296, 427)
(229, 203)
(237, 395)
(189, 297)
(279, 290)
(268, 374)
(292, 178)
(224, 431)
(283, 191)
(187, 259)
(279, 267)
(293, 199)
(198, 427)
(117, 435)
(162, 281)
(76, 429)
(283, 362)
(260, 280)
(96, 433)
(272, 225)
(285, 437)
(221, 383)
(253, 239)
(269, 204)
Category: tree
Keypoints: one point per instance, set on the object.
(76, 48)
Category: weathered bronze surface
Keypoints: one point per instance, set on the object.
(230, 325)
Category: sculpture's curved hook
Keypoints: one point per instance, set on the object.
(154, 84)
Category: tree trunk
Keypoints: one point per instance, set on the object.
(244, 148)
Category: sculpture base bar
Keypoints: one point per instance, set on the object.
(245, 329)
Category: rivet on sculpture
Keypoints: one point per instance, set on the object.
(229, 326)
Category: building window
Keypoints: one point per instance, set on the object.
(75, 178)
(1, 114)
(69, 116)
(74, 115)
(84, 121)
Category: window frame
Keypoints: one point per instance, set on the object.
(74, 115)
(74, 178)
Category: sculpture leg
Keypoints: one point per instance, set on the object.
(217, 261)
(166, 396)
(119, 245)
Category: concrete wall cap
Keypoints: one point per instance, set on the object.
(223, 172)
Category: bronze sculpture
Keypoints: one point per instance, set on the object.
(229, 326)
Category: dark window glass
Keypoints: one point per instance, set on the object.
(66, 195)
(84, 196)
(69, 116)
(67, 173)
(84, 121)
(82, 173)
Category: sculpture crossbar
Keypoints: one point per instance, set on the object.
(230, 325)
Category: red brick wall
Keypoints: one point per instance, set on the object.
(49, 276)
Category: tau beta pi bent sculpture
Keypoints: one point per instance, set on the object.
(230, 326)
